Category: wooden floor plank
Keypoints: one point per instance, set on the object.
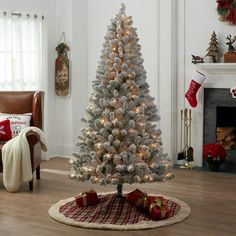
(211, 196)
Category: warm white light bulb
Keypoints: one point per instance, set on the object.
(131, 131)
(127, 32)
(87, 132)
(115, 121)
(72, 176)
(71, 161)
(168, 165)
(102, 121)
(98, 145)
(151, 179)
(168, 175)
(141, 154)
(141, 125)
(130, 75)
(153, 145)
(137, 110)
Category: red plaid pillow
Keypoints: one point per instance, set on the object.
(5, 130)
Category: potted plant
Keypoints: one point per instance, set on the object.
(215, 155)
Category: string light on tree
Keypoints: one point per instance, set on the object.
(121, 144)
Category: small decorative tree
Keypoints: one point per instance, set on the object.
(213, 50)
(121, 143)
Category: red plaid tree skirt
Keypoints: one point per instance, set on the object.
(111, 210)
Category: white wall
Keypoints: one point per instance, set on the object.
(79, 65)
(71, 18)
(62, 115)
(196, 22)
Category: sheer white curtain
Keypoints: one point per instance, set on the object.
(20, 51)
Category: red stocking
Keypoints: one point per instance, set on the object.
(196, 82)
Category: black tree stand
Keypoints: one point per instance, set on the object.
(119, 190)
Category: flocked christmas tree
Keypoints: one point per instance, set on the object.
(121, 143)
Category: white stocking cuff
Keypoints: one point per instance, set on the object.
(198, 77)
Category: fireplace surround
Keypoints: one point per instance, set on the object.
(218, 76)
(219, 111)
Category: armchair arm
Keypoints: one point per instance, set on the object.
(32, 138)
(35, 149)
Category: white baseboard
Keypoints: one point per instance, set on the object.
(55, 150)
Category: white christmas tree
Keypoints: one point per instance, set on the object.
(121, 143)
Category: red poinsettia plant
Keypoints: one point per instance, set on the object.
(214, 151)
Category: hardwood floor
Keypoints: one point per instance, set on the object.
(211, 196)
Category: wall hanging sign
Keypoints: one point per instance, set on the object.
(62, 83)
(227, 11)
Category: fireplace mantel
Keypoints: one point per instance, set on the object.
(217, 68)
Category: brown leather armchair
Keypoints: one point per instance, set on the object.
(15, 102)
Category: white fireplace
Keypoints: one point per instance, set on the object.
(219, 75)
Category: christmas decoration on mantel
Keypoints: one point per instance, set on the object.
(230, 55)
(227, 11)
(197, 59)
(213, 51)
(121, 143)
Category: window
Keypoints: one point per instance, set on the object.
(20, 51)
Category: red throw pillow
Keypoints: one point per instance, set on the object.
(5, 130)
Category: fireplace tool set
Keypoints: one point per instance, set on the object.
(186, 153)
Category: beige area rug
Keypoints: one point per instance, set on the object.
(115, 214)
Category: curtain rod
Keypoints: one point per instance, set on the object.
(20, 15)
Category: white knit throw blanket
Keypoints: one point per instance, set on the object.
(16, 159)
